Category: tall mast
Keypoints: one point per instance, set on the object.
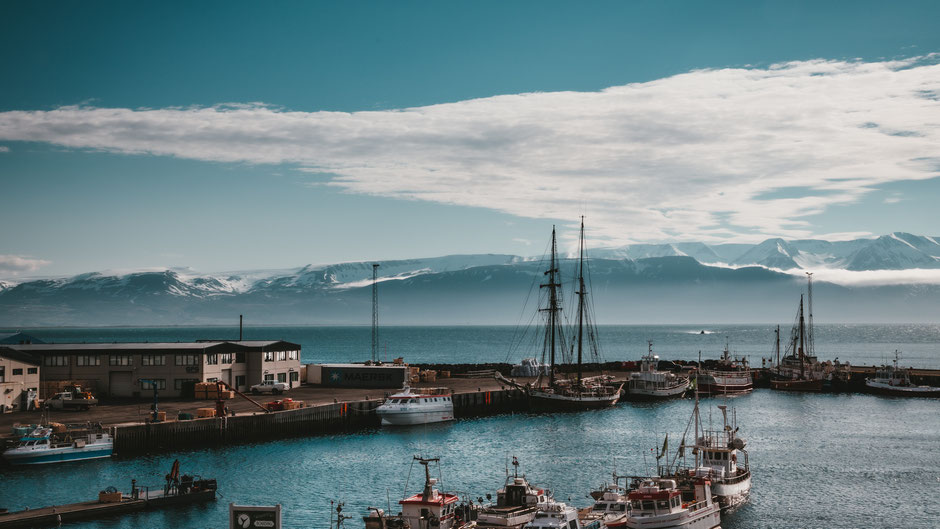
(552, 309)
(810, 341)
(375, 313)
(581, 293)
(802, 336)
(778, 347)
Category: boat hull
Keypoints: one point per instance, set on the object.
(56, 455)
(796, 385)
(410, 418)
(705, 518)
(569, 402)
(902, 391)
(655, 394)
(732, 495)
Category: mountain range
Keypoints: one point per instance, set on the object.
(643, 283)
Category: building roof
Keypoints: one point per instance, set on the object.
(247, 346)
(17, 338)
(19, 356)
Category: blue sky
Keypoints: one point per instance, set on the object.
(116, 154)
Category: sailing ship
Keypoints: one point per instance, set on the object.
(429, 509)
(427, 405)
(798, 370)
(580, 392)
(42, 446)
(895, 380)
(650, 383)
(732, 376)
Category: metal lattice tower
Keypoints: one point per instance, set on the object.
(375, 313)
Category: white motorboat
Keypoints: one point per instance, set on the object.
(650, 383)
(657, 503)
(894, 380)
(558, 515)
(418, 406)
(611, 505)
(42, 446)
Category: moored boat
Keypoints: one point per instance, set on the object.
(731, 376)
(428, 509)
(650, 383)
(559, 515)
(421, 406)
(895, 380)
(516, 503)
(611, 505)
(43, 446)
(658, 503)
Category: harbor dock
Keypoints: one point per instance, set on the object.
(326, 410)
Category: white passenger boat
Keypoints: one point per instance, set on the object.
(894, 380)
(611, 505)
(419, 406)
(516, 503)
(657, 503)
(42, 446)
(650, 383)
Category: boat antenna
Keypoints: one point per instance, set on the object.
(388, 501)
(375, 313)
(810, 339)
(802, 339)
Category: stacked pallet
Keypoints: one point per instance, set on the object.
(414, 373)
(203, 413)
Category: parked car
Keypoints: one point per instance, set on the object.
(72, 399)
(269, 386)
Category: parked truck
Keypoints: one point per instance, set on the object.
(73, 398)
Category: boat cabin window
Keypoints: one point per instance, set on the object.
(600, 506)
(636, 504)
(648, 505)
(662, 504)
(573, 524)
(619, 507)
(515, 495)
(675, 501)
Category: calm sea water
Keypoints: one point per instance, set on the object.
(826, 461)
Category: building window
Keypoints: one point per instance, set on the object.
(281, 355)
(225, 358)
(120, 360)
(212, 359)
(56, 360)
(187, 360)
(269, 376)
(32, 370)
(160, 383)
(292, 355)
(294, 376)
(239, 381)
(239, 358)
(17, 371)
(179, 382)
(152, 360)
(88, 360)
(282, 377)
(268, 357)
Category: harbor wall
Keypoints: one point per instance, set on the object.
(314, 420)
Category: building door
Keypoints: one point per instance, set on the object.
(121, 384)
(227, 376)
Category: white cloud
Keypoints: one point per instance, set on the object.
(872, 278)
(696, 156)
(15, 264)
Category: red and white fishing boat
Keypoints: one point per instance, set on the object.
(732, 376)
(894, 380)
(658, 503)
(429, 509)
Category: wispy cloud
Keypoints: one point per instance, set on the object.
(689, 157)
(16, 264)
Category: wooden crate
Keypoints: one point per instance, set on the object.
(161, 416)
(227, 395)
(109, 497)
(200, 395)
(445, 374)
(203, 413)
